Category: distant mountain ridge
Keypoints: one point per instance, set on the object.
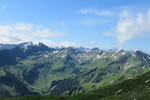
(30, 43)
(10, 46)
(26, 44)
(39, 69)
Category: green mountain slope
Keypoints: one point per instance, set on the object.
(131, 89)
(40, 70)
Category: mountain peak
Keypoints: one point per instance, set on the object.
(41, 44)
(25, 44)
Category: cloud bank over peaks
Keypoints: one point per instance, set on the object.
(51, 43)
(131, 25)
(24, 32)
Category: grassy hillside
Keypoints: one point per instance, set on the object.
(41, 70)
(131, 89)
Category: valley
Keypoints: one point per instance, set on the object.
(40, 70)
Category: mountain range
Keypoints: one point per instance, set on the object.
(29, 69)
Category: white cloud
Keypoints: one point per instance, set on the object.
(94, 12)
(93, 42)
(93, 21)
(131, 25)
(68, 44)
(58, 44)
(23, 32)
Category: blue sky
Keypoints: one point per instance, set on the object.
(105, 24)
